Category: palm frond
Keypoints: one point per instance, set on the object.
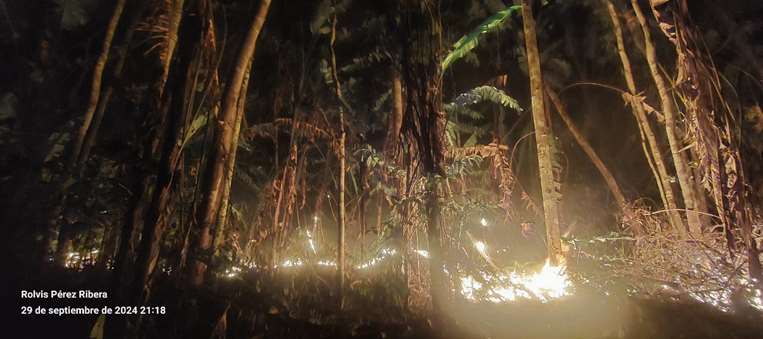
(468, 42)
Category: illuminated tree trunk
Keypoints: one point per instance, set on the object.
(221, 150)
(175, 14)
(230, 166)
(668, 109)
(391, 147)
(341, 150)
(544, 139)
(395, 120)
(424, 123)
(711, 121)
(652, 153)
(341, 156)
(95, 87)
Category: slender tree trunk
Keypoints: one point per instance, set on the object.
(172, 134)
(148, 215)
(230, 166)
(103, 103)
(395, 120)
(391, 147)
(668, 109)
(341, 156)
(544, 138)
(95, 87)
(652, 154)
(212, 183)
(175, 9)
(128, 238)
(277, 215)
(609, 179)
(711, 120)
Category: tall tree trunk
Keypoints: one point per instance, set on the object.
(544, 138)
(175, 14)
(224, 126)
(711, 120)
(652, 154)
(158, 214)
(341, 155)
(148, 215)
(95, 87)
(341, 150)
(230, 166)
(668, 109)
(424, 123)
(609, 179)
(391, 147)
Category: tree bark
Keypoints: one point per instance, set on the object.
(175, 15)
(668, 109)
(652, 154)
(395, 120)
(224, 126)
(341, 155)
(230, 166)
(95, 87)
(341, 150)
(424, 123)
(181, 82)
(544, 138)
(711, 120)
(609, 179)
(146, 220)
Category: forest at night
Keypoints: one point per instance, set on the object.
(456, 169)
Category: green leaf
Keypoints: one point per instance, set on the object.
(468, 42)
(490, 93)
(480, 94)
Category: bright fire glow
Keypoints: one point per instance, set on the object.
(292, 263)
(550, 283)
(481, 247)
(483, 222)
(232, 272)
(311, 241)
(423, 253)
(383, 254)
(326, 263)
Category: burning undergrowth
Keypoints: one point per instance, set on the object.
(661, 264)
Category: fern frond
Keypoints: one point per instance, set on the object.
(487, 93)
(454, 109)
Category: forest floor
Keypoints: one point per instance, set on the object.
(582, 315)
